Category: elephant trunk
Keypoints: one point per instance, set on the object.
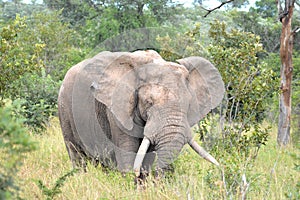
(170, 139)
(169, 148)
(173, 136)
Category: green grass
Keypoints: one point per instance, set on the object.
(272, 176)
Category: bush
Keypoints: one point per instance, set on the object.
(38, 96)
(14, 143)
(29, 50)
(61, 44)
(250, 85)
(16, 59)
(179, 45)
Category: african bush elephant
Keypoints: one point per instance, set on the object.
(133, 111)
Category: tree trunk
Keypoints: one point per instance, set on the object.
(286, 71)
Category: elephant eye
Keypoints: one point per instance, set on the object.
(149, 102)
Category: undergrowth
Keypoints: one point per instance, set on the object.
(273, 176)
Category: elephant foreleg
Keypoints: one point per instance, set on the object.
(78, 159)
(125, 147)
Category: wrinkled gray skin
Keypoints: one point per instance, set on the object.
(109, 103)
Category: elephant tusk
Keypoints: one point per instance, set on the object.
(140, 156)
(202, 152)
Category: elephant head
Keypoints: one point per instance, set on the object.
(164, 98)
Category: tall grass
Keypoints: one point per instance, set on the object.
(272, 175)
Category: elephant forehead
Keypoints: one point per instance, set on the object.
(156, 93)
(161, 71)
(154, 90)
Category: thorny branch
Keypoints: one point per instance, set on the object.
(213, 9)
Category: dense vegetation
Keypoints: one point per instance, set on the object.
(39, 42)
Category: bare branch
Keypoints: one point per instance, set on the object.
(282, 13)
(213, 9)
(279, 8)
(296, 30)
(291, 2)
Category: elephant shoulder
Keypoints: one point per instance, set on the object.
(73, 72)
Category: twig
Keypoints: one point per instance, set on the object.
(213, 9)
(296, 30)
(244, 187)
(279, 8)
(224, 182)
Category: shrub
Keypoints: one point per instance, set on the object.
(61, 43)
(16, 59)
(250, 85)
(14, 143)
(177, 45)
(38, 96)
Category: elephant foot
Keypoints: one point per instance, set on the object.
(77, 157)
(80, 165)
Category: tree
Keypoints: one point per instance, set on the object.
(265, 27)
(286, 70)
(61, 44)
(106, 18)
(9, 9)
(265, 8)
(74, 12)
(228, 4)
(249, 85)
(261, 20)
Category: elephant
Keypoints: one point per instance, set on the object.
(133, 111)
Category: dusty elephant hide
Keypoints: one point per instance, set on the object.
(133, 111)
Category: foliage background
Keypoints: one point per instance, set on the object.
(41, 41)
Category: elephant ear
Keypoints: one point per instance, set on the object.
(206, 87)
(115, 87)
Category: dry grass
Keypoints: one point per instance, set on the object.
(272, 176)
